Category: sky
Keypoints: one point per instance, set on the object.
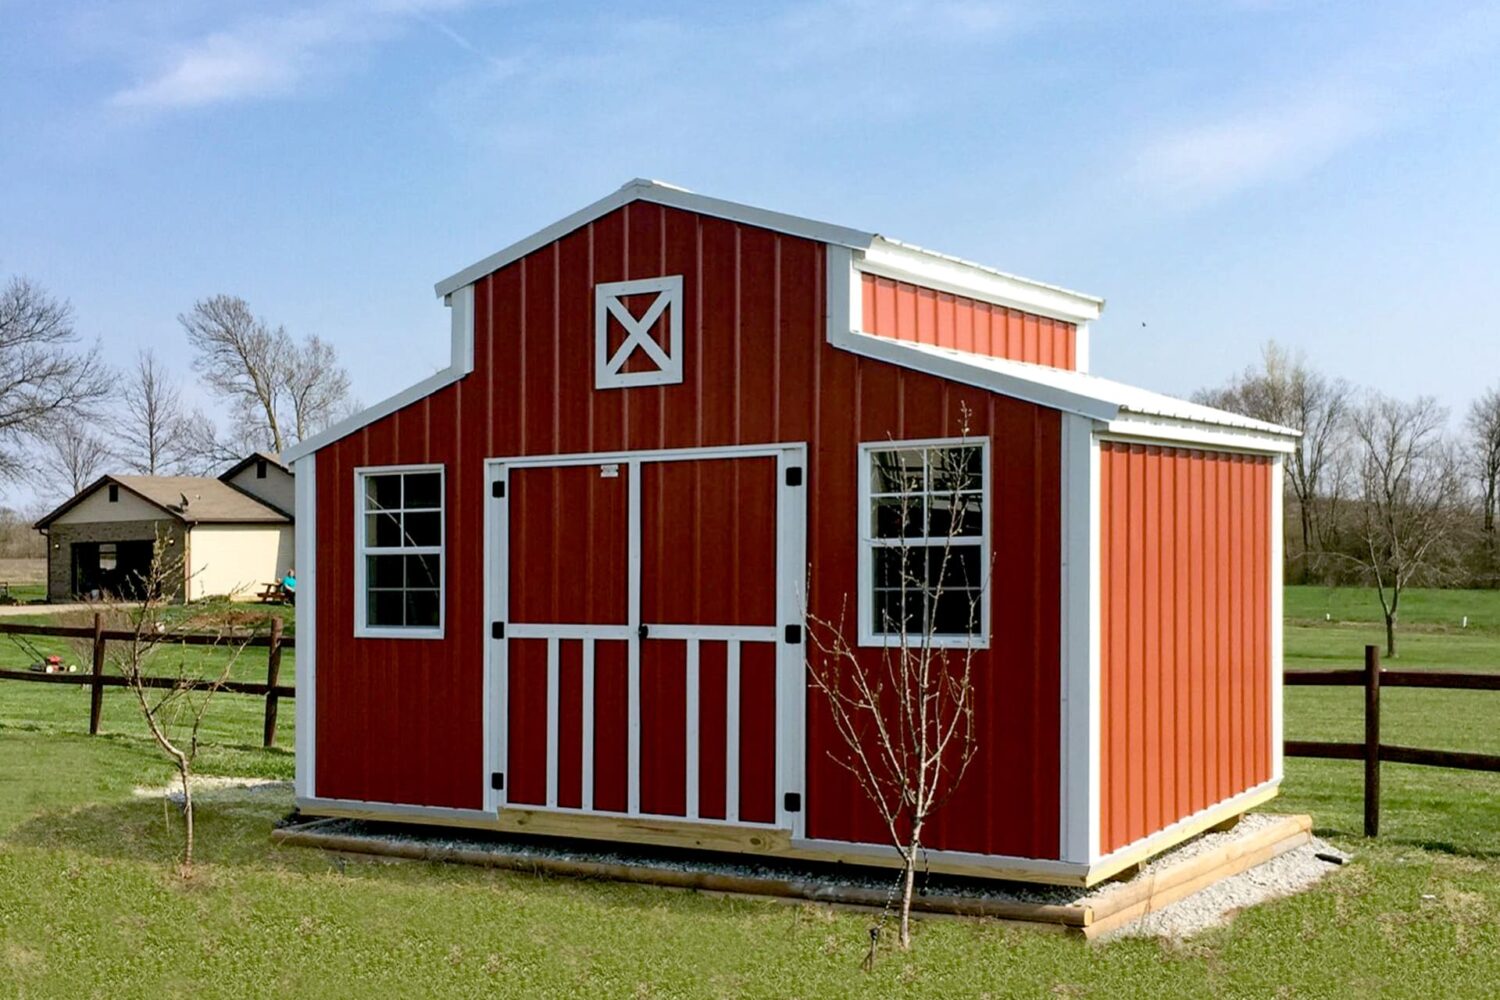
(1222, 173)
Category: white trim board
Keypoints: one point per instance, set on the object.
(868, 544)
(657, 193)
(1079, 761)
(305, 542)
(461, 362)
(362, 630)
(789, 710)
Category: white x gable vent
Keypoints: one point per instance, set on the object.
(650, 361)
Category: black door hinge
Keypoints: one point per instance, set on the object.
(497, 489)
(793, 634)
(497, 630)
(497, 780)
(643, 631)
(792, 801)
(794, 475)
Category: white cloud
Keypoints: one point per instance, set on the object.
(271, 55)
(1204, 162)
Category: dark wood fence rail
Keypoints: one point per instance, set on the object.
(97, 680)
(1372, 678)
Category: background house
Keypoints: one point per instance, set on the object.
(234, 532)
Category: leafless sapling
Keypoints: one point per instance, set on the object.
(904, 711)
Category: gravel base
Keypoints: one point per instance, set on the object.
(215, 789)
(1214, 906)
(1280, 876)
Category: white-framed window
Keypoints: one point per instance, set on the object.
(924, 542)
(398, 551)
(647, 313)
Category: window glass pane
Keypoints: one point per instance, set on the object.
(893, 610)
(422, 608)
(423, 571)
(383, 571)
(895, 517)
(957, 612)
(955, 468)
(891, 565)
(423, 489)
(962, 567)
(896, 470)
(958, 515)
(382, 530)
(424, 528)
(385, 608)
(383, 492)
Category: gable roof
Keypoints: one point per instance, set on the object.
(209, 501)
(661, 193)
(255, 456)
(1073, 392)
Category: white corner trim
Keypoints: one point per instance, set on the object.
(461, 320)
(609, 301)
(660, 194)
(1082, 334)
(1079, 733)
(1277, 623)
(891, 259)
(305, 649)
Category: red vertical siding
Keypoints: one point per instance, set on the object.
(399, 720)
(904, 311)
(1185, 574)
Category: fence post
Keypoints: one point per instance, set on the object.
(96, 696)
(1372, 741)
(273, 677)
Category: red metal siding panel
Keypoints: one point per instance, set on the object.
(400, 721)
(905, 311)
(1185, 572)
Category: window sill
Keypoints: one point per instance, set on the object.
(976, 642)
(363, 632)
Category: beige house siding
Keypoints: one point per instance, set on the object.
(278, 488)
(96, 509)
(236, 559)
(62, 534)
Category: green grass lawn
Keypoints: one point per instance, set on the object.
(89, 904)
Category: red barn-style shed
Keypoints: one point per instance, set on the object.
(561, 586)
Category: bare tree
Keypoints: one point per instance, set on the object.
(905, 713)
(1285, 390)
(1484, 456)
(1409, 499)
(172, 694)
(155, 430)
(70, 456)
(44, 375)
(243, 357)
(316, 386)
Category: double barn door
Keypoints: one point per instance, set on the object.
(646, 649)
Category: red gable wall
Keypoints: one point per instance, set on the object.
(400, 720)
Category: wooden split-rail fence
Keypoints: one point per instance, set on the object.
(98, 637)
(1372, 751)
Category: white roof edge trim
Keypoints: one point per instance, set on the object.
(904, 262)
(1118, 408)
(461, 363)
(660, 193)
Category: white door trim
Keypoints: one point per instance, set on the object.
(790, 686)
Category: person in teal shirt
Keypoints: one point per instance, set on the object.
(289, 585)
